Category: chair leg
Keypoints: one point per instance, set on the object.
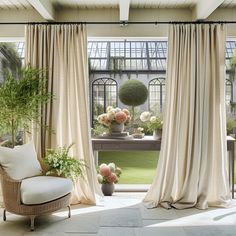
(32, 223)
(4, 215)
(69, 212)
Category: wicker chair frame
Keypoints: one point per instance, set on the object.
(12, 201)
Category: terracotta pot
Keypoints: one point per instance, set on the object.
(108, 189)
(117, 128)
(157, 133)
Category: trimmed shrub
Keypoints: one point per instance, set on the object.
(133, 93)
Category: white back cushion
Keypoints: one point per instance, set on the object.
(20, 162)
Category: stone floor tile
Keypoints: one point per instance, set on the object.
(203, 231)
(160, 231)
(149, 223)
(116, 231)
(158, 213)
(126, 217)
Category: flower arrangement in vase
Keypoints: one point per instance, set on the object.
(107, 176)
(155, 123)
(114, 119)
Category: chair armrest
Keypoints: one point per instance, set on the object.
(10, 188)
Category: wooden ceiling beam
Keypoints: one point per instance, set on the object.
(44, 8)
(204, 8)
(124, 6)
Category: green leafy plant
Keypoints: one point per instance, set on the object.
(153, 122)
(99, 130)
(60, 163)
(230, 124)
(21, 100)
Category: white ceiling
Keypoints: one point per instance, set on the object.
(87, 3)
(133, 3)
(229, 3)
(47, 8)
(25, 4)
(163, 3)
(14, 4)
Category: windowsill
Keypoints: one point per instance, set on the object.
(132, 187)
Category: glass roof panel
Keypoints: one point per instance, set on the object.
(135, 55)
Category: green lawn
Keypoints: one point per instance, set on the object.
(137, 167)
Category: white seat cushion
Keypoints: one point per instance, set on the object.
(20, 162)
(41, 189)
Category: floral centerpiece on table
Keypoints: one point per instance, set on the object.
(107, 176)
(114, 117)
(60, 163)
(154, 123)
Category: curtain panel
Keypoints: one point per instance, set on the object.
(192, 169)
(62, 51)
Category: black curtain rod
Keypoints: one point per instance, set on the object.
(121, 22)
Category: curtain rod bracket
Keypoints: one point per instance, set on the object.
(123, 23)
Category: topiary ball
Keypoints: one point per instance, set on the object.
(133, 93)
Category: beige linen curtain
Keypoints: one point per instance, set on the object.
(62, 50)
(192, 168)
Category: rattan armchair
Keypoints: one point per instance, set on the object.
(11, 190)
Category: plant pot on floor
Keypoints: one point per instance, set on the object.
(108, 189)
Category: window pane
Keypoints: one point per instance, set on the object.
(104, 94)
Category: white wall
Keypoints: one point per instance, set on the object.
(99, 15)
(112, 15)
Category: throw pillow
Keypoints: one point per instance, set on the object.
(20, 162)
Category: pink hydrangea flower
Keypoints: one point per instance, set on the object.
(126, 111)
(104, 170)
(112, 178)
(120, 117)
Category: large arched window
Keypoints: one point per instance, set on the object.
(104, 93)
(156, 95)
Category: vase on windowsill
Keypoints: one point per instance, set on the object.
(157, 133)
(108, 189)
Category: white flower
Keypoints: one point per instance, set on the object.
(117, 109)
(140, 129)
(145, 116)
(112, 167)
(153, 119)
(100, 178)
(102, 118)
(111, 115)
(109, 108)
